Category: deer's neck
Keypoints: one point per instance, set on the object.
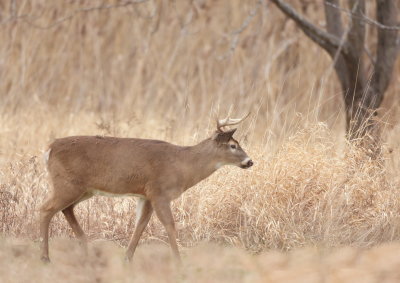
(199, 162)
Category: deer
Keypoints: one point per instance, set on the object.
(157, 172)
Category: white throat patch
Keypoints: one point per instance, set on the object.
(219, 165)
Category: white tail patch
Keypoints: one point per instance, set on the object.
(46, 155)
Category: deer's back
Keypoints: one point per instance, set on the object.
(109, 163)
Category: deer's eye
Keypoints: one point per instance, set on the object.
(233, 146)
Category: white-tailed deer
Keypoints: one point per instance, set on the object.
(155, 171)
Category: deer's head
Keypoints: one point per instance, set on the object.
(229, 151)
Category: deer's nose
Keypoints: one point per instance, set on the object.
(246, 163)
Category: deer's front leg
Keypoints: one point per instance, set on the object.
(162, 208)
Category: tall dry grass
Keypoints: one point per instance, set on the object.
(164, 70)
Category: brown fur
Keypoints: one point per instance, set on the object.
(156, 171)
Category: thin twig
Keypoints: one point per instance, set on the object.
(366, 50)
(61, 20)
(364, 17)
(236, 33)
(324, 39)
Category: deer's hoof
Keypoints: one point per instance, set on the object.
(45, 259)
(128, 258)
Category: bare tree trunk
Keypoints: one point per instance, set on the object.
(362, 93)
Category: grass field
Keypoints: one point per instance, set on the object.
(312, 207)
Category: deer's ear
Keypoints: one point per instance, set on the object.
(223, 137)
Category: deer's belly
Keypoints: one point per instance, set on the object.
(110, 194)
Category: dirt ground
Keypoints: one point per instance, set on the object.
(204, 263)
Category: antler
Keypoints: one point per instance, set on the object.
(229, 122)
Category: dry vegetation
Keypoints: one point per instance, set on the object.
(312, 207)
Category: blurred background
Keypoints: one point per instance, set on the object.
(172, 67)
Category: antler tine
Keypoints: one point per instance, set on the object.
(229, 122)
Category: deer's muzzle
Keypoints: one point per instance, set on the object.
(247, 163)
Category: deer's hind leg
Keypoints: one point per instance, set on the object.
(64, 195)
(73, 222)
(144, 211)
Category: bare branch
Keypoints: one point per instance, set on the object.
(184, 23)
(326, 40)
(334, 26)
(13, 9)
(333, 18)
(236, 33)
(364, 17)
(386, 13)
(370, 21)
(59, 21)
(371, 58)
(356, 36)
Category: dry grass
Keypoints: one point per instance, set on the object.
(120, 72)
